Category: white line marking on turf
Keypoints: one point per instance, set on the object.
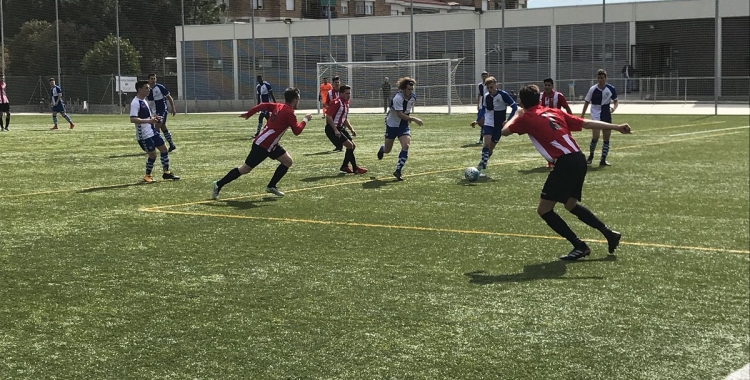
(740, 374)
(709, 131)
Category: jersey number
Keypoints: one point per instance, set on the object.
(551, 118)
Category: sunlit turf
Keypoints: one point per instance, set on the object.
(363, 277)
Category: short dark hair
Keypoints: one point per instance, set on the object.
(601, 72)
(151, 75)
(51, 79)
(344, 87)
(529, 96)
(139, 84)
(290, 94)
(336, 78)
(549, 80)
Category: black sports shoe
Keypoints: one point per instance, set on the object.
(397, 174)
(172, 147)
(380, 153)
(576, 254)
(604, 163)
(613, 240)
(590, 159)
(170, 175)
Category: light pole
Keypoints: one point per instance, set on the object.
(57, 23)
(119, 72)
(413, 44)
(330, 44)
(2, 33)
(252, 27)
(502, 46)
(184, 58)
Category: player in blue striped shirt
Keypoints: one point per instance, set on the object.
(161, 96)
(495, 104)
(264, 94)
(600, 96)
(57, 104)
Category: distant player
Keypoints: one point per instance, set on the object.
(480, 94)
(385, 92)
(337, 117)
(549, 131)
(148, 139)
(161, 96)
(4, 105)
(397, 123)
(332, 95)
(266, 144)
(57, 104)
(495, 104)
(323, 95)
(599, 96)
(553, 99)
(264, 94)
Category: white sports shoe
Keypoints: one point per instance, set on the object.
(215, 192)
(274, 191)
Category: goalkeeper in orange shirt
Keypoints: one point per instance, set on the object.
(323, 95)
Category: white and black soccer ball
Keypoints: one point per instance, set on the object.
(471, 174)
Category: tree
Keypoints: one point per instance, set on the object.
(34, 48)
(102, 58)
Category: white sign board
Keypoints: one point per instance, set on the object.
(128, 83)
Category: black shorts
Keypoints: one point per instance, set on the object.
(4, 107)
(565, 181)
(259, 154)
(337, 140)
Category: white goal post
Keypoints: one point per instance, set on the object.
(436, 81)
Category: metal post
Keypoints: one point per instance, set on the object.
(604, 37)
(717, 58)
(2, 33)
(412, 42)
(253, 4)
(502, 47)
(330, 43)
(119, 71)
(450, 86)
(184, 58)
(57, 24)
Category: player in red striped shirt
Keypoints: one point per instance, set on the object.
(553, 99)
(266, 144)
(337, 118)
(549, 130)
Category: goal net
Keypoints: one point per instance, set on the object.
(436, 80)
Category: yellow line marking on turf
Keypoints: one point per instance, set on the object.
(429, 229)
(709, 131)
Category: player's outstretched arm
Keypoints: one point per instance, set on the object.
(297, 128)
(596, 124)
(171, 104)
(409, 118)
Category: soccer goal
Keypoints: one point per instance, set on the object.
(436, 80)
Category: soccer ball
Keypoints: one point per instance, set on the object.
(471, 174)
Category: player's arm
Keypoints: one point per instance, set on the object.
(511, 126)
(258, 108)
(171, 104)
(298, 127)
(351, 129)
(134, 108)
(587, 101)
(596, 124)
(329, 121)
(480, 116)
(401, 115)
(512, 103)
(273, 98)
(616, 103)
(564, 103)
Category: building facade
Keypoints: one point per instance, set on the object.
(566, 43)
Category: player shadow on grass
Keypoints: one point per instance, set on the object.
(127, 155)
(321, 153)
(471, 145)
(114, 187)
(553, 270)
(465, 182)
(318, 178)
(540, 169)
(377, 183)
(244, 204)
